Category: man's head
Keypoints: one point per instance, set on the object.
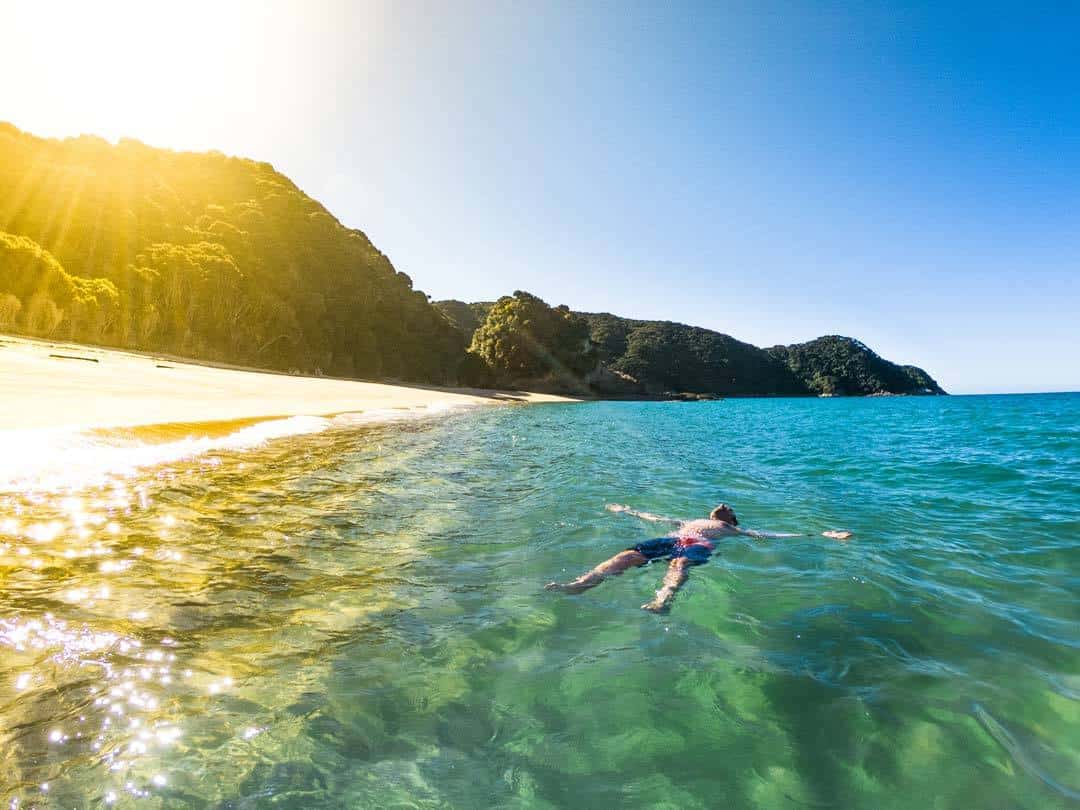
(725, 513)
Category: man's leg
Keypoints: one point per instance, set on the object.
(677, 572)
(609, 568)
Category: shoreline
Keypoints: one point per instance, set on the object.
(60, 385)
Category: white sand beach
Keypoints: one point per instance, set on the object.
(59, 385)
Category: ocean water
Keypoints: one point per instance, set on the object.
(329, 613)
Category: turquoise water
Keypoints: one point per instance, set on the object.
(354, 616)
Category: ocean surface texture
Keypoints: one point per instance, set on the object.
(327, 613)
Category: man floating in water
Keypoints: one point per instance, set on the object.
(690, 544)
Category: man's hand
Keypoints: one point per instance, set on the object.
(835, 535)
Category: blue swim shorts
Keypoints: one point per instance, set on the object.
(670, 549)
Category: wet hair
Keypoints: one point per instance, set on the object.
(720, 511)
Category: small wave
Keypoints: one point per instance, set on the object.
(51, 460)
(383, 415)
(1021, 757)
(1067, 686)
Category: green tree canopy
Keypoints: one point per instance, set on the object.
(206, 256)
(40, 297)
(834, 365)
(523, 338)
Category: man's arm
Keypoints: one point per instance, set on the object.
(835, 535)
(766, 535)
(619, 508)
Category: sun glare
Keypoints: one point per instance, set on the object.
(179, 75)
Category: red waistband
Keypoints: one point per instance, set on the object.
(684, 542)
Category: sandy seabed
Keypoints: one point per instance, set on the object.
(62, 385)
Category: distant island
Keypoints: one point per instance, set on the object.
(224, 259)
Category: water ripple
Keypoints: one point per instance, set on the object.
(341, 613)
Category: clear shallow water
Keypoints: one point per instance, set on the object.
(354, 617)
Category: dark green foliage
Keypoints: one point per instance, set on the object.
(632, 358)
(474, 371)
(206, 256)
(466, 317)
(523, 338)
(841, 366)
(921, 382)
(674, 357)
(609, 334)
(655, 357)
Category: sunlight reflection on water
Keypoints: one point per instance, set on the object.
(96, 567)
(53, 460)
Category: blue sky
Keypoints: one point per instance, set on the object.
(907, 174)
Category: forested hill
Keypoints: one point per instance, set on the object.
(223, 258)
(202, 255)
(836, 366)
(628, 357)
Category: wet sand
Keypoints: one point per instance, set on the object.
(61, 385)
